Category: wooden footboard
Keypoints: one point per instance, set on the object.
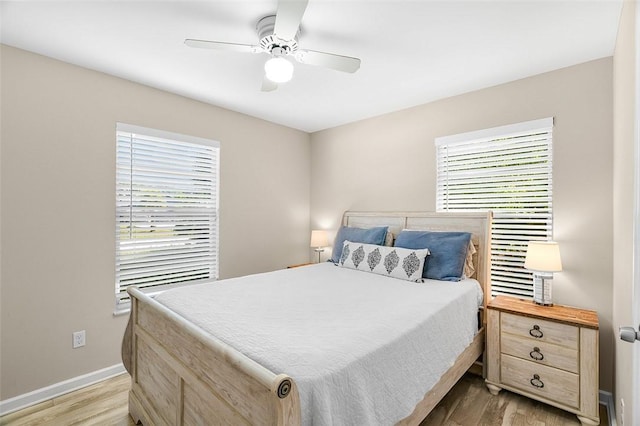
(181, 375)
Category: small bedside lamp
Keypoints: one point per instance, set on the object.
(543, 258)
(319, 240)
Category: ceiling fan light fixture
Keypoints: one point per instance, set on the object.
(278, 70)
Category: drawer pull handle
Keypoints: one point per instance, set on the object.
(535, 332)
(536, 354)
(537, 382)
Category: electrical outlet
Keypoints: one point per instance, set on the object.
(79, 339)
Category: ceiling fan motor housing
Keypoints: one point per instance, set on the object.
(270, 41)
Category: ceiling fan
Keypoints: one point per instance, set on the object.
(278, 37)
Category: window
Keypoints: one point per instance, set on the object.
(508, 170)
(166, 210)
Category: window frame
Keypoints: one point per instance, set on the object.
(518, 142)
(148, 135)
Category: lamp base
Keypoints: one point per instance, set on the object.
(542, 289)
(318, 250)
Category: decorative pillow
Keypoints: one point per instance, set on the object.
(359, 235)
(448, 252)
(388, 240)
(469, 269)
(405, 264)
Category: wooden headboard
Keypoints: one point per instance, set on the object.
(479, 224)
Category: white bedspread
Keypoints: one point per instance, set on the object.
(362, 348)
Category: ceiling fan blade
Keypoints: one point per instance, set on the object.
(219, 45)
(328, 60)
(268, 85)
(288, 18)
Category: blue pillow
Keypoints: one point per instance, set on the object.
(448, 252)
(357, 235)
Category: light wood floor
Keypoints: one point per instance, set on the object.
(104, 403)
(467, 404)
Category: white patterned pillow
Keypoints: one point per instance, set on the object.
(406, 264)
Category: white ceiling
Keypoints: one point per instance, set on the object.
(412, 52)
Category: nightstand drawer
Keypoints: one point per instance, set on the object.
(540, 330)
(550, 383)
(540, 352)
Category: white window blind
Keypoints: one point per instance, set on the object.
(507, 170)
(166, 210)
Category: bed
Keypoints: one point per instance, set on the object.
(203, 370)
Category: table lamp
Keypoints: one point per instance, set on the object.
(543, 258)
(319, 240)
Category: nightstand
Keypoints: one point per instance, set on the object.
(547, 353)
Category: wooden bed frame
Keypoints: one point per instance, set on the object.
(183, 375)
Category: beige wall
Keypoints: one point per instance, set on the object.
(57, 187)
(388, 163)
(625, 80)
(57, 197)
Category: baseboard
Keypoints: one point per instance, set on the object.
(606, 399)
(44, 394)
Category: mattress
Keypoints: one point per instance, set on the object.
(362, 348)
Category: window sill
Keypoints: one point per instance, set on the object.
(122, 309)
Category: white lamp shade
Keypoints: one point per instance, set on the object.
(543, 256)
(319, 238)
(278, 70)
